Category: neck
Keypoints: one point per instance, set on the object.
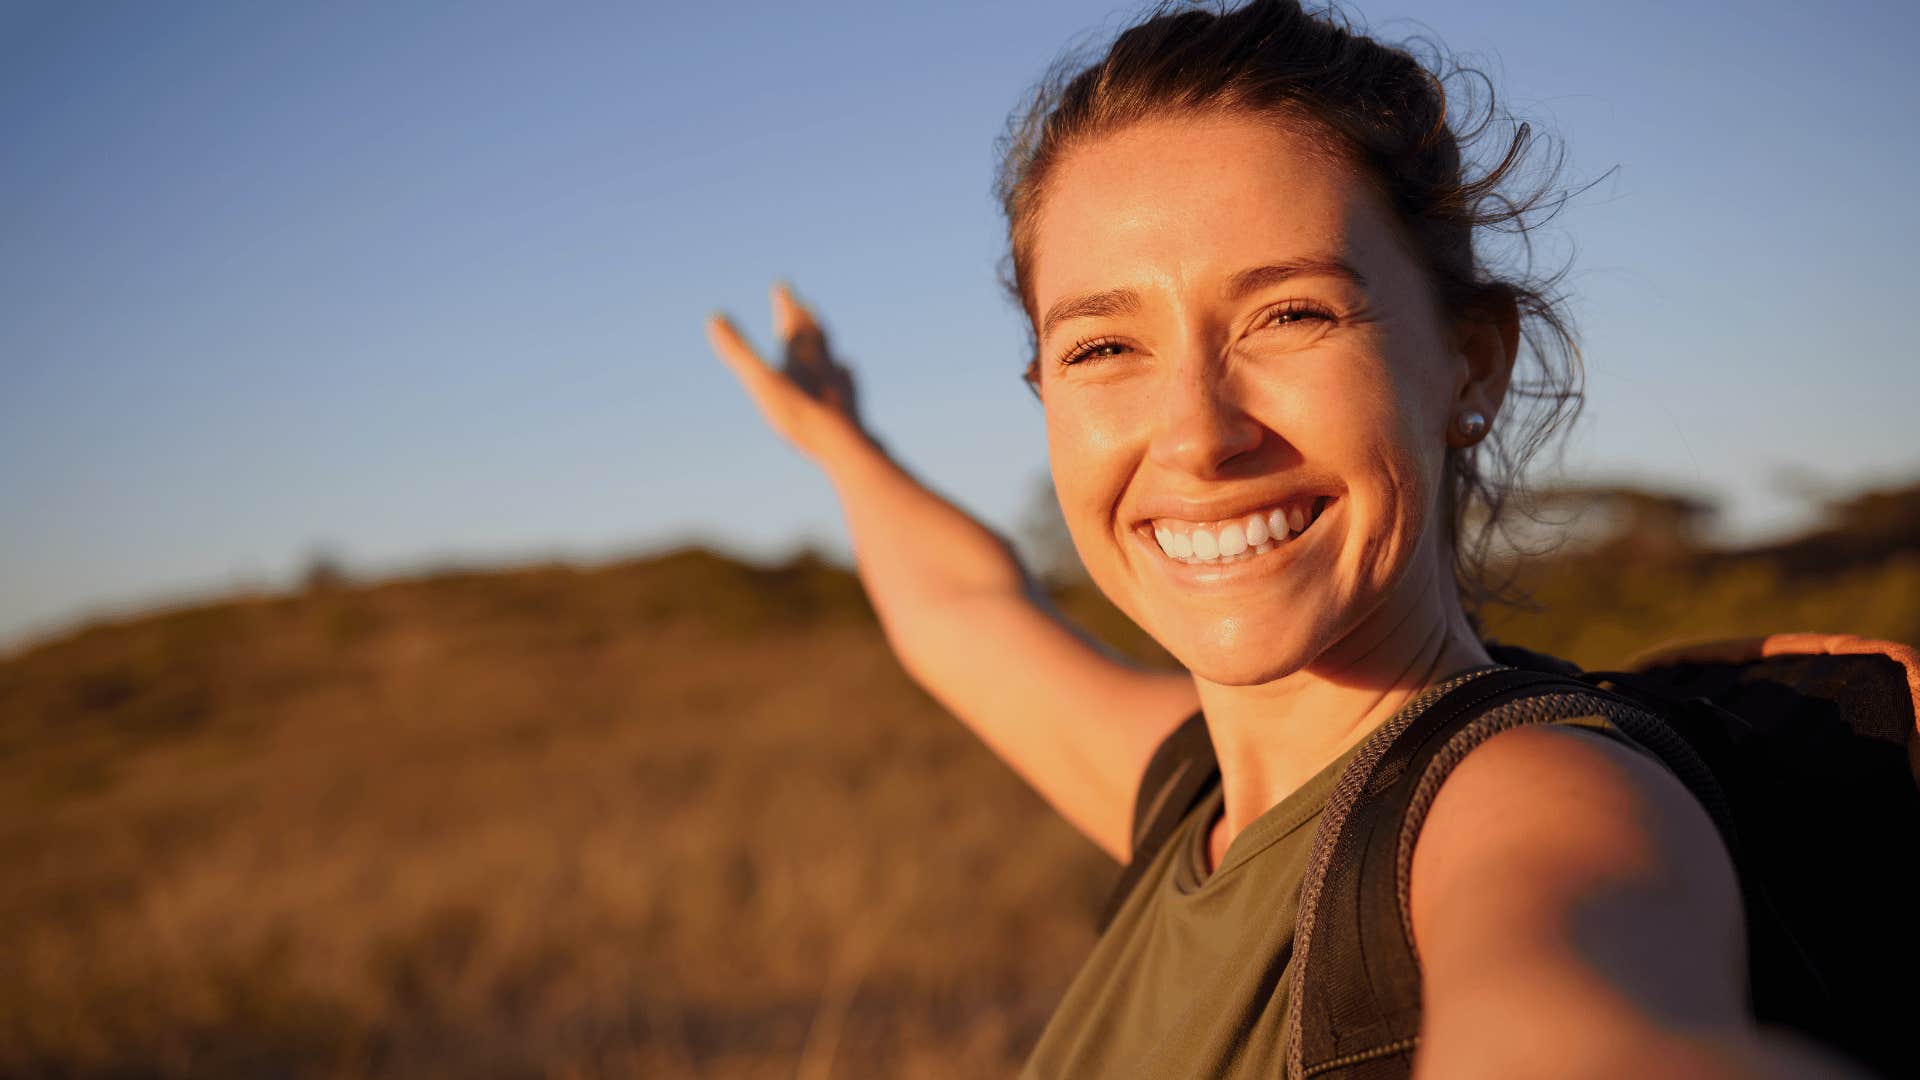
(1273, 737)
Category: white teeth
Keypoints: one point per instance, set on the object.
(1256, 534)
(1257, 530)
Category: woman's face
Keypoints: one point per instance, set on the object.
(1232, 339)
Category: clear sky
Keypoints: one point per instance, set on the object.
(416, 283)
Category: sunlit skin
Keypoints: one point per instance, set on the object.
(1574, 909)
(1197, 398)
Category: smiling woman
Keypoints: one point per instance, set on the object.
(1276, 379)
(1282, 360)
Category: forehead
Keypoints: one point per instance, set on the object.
(1179, 202)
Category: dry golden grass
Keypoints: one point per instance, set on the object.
(666, 818)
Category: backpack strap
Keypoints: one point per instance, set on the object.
(1181, 771)
(1355, 1009)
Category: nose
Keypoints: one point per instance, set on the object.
(1205, 427)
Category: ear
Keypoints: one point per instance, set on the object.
(1486, 338)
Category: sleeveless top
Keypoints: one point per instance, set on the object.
(1193, 975)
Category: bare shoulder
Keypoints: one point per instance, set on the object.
(1573, 794)
(1568, 892)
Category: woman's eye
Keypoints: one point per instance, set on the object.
(1295, 312)
(1095, 349)
(1291, 313)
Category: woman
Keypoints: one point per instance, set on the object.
(1273, 374)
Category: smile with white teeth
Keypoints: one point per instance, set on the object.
(1236, 539)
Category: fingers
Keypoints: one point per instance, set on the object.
(809, 393)
(806, 359)
(789, 316)
(739, 356)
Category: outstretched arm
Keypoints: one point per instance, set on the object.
(963, 617)
(1576, 915)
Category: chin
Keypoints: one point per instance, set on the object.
(1239, 670)
(1238, 652)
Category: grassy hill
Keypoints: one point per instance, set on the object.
(666, 817)
(675, 816)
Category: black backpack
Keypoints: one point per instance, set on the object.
(1802, 748)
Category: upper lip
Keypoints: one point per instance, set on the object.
(1221, 509)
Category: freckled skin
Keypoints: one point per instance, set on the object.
(1201, 396)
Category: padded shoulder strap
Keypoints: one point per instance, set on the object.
(1180, 772)
(1355, 1009)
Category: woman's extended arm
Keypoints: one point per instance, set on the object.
(1576, 915)
(965, 620)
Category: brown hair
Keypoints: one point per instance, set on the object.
(1384, 110)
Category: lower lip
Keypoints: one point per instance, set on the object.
(1206, 573)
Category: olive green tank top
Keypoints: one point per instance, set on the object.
(1192, 977)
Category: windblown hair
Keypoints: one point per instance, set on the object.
(1386, 111)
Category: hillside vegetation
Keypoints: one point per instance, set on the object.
(672, 816)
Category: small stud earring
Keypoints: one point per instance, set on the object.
(1471, 425)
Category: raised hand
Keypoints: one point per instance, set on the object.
(810, 400)
(958, 609)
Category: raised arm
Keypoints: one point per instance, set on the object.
(962, 615)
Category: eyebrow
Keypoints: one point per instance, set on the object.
(1259, 277)
(1127, 302)
(1091, 306)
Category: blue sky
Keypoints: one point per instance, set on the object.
(422, 283)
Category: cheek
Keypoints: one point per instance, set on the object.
(1412, 468)
(1082, 454)
(1093, 450)
(1381, 437)
(1421, 383)
(1408, 493)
